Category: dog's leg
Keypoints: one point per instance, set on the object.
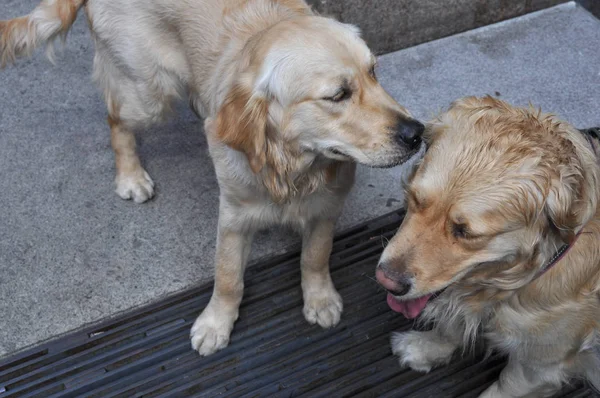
(133, 182)
(518, 380)
(422, 351)
(322, 303)
(212, 328)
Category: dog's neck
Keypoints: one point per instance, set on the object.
(557, 256)
(593, 137)
(265, 14)
(290, 173)
(578, 269)
(575, 276)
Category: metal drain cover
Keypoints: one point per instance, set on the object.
(274, 352)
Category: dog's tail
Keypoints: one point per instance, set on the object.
(50, 20)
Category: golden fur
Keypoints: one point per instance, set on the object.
(20, 36)
(498, 192)
(290, 100)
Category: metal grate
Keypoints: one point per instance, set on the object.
(274, 352)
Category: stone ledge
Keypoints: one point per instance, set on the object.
(390, 25)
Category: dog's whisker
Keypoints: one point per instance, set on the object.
(384, 241)
(375, 281)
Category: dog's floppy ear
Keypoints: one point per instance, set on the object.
(560, 206)
(242, 124)
(572, 196)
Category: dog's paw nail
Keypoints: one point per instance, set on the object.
(210, 333)
(419, 351)
(137, 186)
(207, 340)
(325, 311)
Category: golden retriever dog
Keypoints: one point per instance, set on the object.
(291, 103)
(501, 239)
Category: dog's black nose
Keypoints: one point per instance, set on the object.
(409, 132)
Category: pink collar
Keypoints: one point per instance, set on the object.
(560, 253)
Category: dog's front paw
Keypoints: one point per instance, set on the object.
(136, 185)
(323, 306)
(421, 351)
(211, 331)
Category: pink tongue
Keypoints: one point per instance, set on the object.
(409, 308)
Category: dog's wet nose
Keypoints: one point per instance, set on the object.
(398, 285)
(409, 132)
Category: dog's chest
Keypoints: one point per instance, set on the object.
(261, 212)
(533, 332)
(247, 202)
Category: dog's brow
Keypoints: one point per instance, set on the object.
(345, 83)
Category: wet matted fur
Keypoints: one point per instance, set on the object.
(291, 102)
(498, 192)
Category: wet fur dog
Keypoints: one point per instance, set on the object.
(291, 102)
(498, 192)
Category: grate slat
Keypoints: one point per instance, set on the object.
(274, 352)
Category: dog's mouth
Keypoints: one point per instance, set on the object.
(337, 154)
(416, 152)
(413, 307)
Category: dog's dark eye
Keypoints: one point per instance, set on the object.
(460, 231)
(342, 94)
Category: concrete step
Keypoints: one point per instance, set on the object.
(391, 25)
(73, 253)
